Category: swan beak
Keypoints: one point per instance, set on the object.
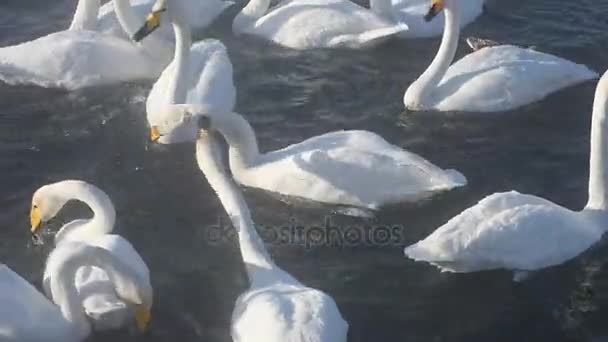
(35, 219)
(151, 24)
(436, 7)
(154, 134)
(142, 317)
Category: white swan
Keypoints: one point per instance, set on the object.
(27, 316)
(79, 57)
(276, 307)
(524, 232)
(411, 12)
(199, 73)
(492, 79)
(93, 284)
(306, 24)
(354, 168)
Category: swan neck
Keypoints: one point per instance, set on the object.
(383, 8)
(104, 214)
(178, 87)
(428, 81)
(251, 245)
(598, 168)
(253, 11)
(126, 16)
(85, 17)
(243, 145)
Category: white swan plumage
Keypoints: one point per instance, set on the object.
(200, 73)
(27, 316)
(523, 232)
(307, 24)
(411, 12)
(314, 169)
(492, 79)
(276, 307)
(94, 287)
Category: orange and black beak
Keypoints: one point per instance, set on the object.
(154, 134)
(151, 24)
(436, 7)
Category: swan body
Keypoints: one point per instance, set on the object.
(492, 79)
(307, 24)
(93, 285)
(200, 73)
(27, 316)
(315, 169)
(523, 232)
(411, 12)
(276, 307)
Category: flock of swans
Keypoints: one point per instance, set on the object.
(96, 280)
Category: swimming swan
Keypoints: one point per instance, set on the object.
(27, 316)
(411, 12)
(276, 307)
(93, 284)
(492, 79)
(81, 57)
(307, 24)
(354, 168)
(523, 232)
(199, 73)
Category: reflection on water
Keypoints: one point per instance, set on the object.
(165, 205)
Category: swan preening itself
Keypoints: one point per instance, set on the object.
(492, 79)
(93, 53)
(94, 286)
(377, 172)
(523, 232)
(276, 307)
(200, 73)
(27, 316)
(307, 24)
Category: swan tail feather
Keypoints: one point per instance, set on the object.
(456, 178)
(366, 39)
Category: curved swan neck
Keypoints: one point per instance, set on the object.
(383, 8)
(126, 16)
(251, 245)
(85, 17)
(253, 11)
(431, 77)
(240, 137)
(104, 214)
(178, 86)
(598, 165)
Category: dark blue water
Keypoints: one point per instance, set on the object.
(166, 208)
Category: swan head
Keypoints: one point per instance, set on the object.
(436, 7)
(152, 22)
(47, 201)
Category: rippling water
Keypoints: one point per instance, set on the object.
(166, 208)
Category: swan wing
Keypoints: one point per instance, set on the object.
(506, 230)
(302, 24)
(505, 77)
(378, 172)
(73, 59)
(283, 313)
(412, 12)
(26, 315)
